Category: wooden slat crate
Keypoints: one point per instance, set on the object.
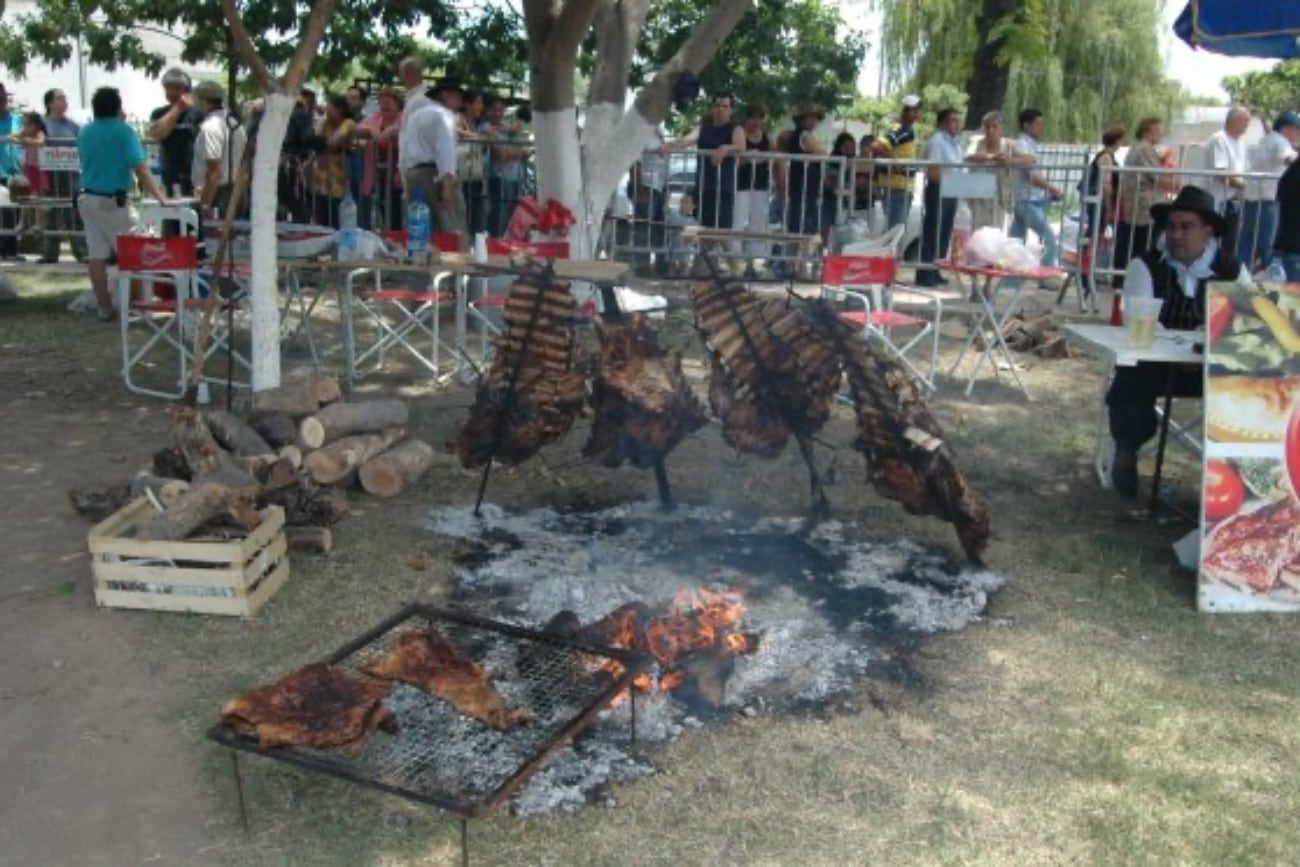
(236, 576)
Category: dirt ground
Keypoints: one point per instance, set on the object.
(1094, 719)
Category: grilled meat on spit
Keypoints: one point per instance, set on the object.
(907, 458)
(531, 393)
(772, 377)
(643, 405)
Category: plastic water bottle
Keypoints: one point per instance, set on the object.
(961, 229)
(480, 247)
(418, 227)
(348, 238)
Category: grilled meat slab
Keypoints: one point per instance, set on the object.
(315, 706)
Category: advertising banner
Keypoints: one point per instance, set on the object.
(1250, 514)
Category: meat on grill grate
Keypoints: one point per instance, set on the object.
(642, 404)
(531, 393)
(772, 376)
(907, 458)
(426, 660)
(315, 706)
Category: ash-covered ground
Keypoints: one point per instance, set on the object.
(828, 604)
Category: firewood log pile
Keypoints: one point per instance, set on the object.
(1039, 335)
(298, 447)
(533, 390)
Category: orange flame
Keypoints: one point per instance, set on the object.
(695, 621)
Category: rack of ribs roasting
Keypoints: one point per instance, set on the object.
(643, 405)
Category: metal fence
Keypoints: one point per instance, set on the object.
(769, 201)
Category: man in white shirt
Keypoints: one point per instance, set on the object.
(218, 149)
(1189, 254)
(943, 148)
(411, 73)
(1259, 213)
(427, 159)
(1227, 153)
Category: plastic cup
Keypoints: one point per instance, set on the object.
(1141, 315)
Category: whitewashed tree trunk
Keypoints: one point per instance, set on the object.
(559, 172)
(265, 283)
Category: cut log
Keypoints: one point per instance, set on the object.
(278, 474)
(299, 397)
(310, 504)
(166, 491)
(390, 472)
(277, 428)
(319, 540)
(207, 461)
(171, 464)
(235, 435)
(198, 505)
(343, 419)
(333, 462)
(293, 455)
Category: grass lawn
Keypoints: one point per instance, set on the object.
(1095, 717)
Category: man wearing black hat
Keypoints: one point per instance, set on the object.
(1188, 255)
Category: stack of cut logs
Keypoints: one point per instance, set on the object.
(1038, 334)
(299, 447)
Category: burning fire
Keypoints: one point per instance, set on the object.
(694, 637)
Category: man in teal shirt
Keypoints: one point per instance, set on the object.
(11, 165)
(111, 157)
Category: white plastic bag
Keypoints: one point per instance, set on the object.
(983, 247)
(1014, 255)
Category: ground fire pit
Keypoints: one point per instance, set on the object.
(742, 616)
(440, 757)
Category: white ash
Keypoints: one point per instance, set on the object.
(828, 607)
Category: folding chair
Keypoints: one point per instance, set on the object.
(167, 268)
(400, 316)
(868, 281)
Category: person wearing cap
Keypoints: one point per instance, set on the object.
(900, 144)
(801, 179)
(174, 127)
(218, 149)
(1189, 254)
(111, 155)
(1259, 212)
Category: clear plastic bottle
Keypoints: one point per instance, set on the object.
(961, 229)
(348, 239)
(418, 228)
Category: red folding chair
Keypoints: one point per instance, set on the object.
(167, 268)
(402, 318)
(867, 281)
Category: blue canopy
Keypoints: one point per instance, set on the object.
(1242, 28)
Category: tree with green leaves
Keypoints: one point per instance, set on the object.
(782, 55)
(1084, 64)
(1267, 92)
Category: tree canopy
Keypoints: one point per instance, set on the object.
(1267, 92)
(1084, 64)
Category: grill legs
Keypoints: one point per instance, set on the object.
(239, 791)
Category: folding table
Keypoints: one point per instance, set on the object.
(1111, 343)
(986, 283)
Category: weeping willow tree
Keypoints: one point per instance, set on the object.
(1084, 63)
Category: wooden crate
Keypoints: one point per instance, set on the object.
(236, 576)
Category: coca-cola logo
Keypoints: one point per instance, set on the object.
(156, 255)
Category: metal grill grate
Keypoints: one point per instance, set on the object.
(443, 758)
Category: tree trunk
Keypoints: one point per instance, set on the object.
(196, 507)
(390, 472)
(341, 419)
(335, 461)
(298, 397)
(277, 428)
(988, 81)
(265, 294)
(233, 434)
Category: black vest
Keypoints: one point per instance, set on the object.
(1180, 312)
